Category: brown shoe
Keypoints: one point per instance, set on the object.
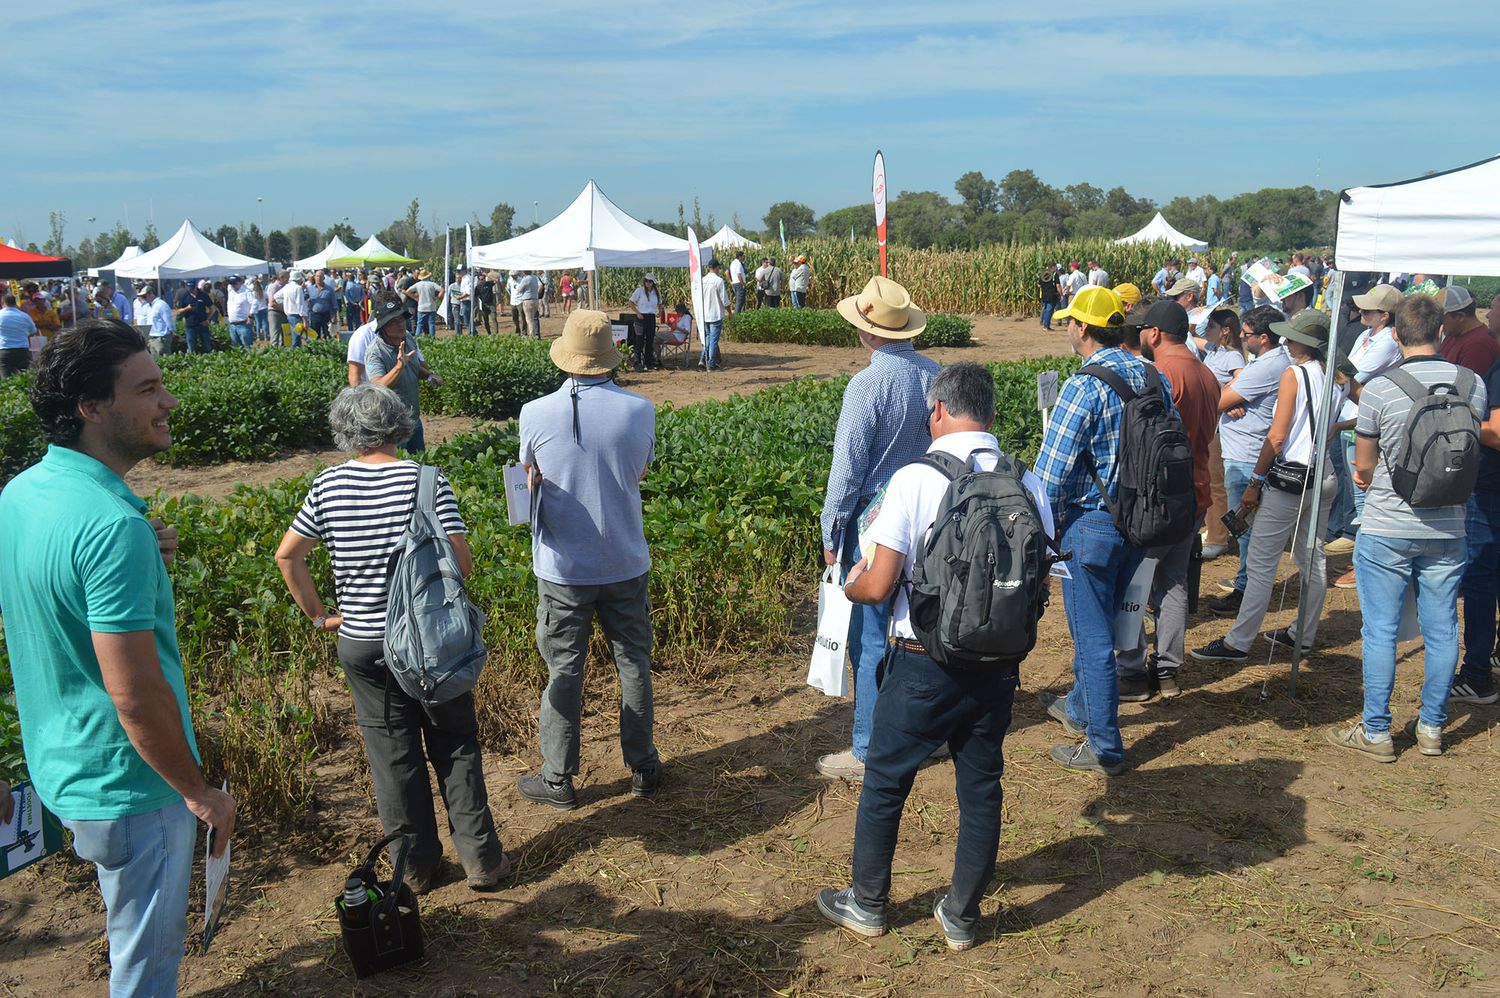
(1345, 581)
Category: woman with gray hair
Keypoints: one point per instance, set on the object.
(360, 509)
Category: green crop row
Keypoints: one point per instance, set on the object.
(999, 279)
(240, 405)
(825, 327)
(731, 507)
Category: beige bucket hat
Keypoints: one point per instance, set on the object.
(883, 308)
(586, 345)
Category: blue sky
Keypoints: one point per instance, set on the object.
(329, 111)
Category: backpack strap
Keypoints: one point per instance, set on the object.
(1111, 379)
(1408, 383)
(427, 489)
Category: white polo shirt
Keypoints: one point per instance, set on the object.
(911, 504)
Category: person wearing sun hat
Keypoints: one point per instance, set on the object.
(1129, 294)
(1082, 441)
(883, 425)
(586, 447)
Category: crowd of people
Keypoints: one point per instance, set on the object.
(1171, 424)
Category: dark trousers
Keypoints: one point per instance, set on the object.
(921, 706)
(739, 297)
(14, 361)
(1481, 584)
(515, 316)
(353, 315)
(645, 343)
(395, 729)
(484, 313)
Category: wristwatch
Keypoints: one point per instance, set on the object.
(319, 621)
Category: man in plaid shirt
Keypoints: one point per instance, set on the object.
(1082, 438)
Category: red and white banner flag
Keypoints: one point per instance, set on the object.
(880, 209)
(695, 271)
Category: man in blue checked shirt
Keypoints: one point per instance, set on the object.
(882, 427)
(1084, 436)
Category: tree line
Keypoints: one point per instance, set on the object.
(1019, 208)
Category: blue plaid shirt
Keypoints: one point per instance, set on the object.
(1086, 422)
(882, 427)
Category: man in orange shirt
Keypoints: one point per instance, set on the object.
(1195, 393)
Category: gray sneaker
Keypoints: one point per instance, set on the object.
(1057, 709)
(1080, 758)
(491, 879)
(1354, 737)
(840, 908)
(1466, 693)
(1429, 740)
(540, 790)
(958, 937)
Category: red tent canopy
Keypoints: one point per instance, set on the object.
(19, 263)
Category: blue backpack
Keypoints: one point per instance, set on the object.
(433, 641)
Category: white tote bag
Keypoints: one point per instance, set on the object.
(1130, 615)
(826, 672)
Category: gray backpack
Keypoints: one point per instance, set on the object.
(1437, 462)
(979, 583)
(433, 641)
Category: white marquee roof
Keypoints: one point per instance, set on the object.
(591, 232)
(188, 255)
(1160, 228)
(336, 248)
(131, 252)
(1447, 223)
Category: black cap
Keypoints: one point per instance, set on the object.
(1168, 316)
(387, 309)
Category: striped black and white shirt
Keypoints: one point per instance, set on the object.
(360, 511)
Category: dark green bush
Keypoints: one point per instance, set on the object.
(824, 327)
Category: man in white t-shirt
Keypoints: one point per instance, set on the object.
(737, 279)
(1075, 282)
(715, 306)
(924, 705)
(1196, 273)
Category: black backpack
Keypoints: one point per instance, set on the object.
(1155, 504)
(1437, 463)
(979, 582)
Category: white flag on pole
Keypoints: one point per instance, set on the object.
(695, 271)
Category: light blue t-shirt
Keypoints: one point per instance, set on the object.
(77, 556)
(591, 440)
(16, 329)
(1241, 439)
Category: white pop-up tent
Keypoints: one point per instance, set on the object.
(336, 248)
(728, 239)
(1446, 223)
(189, 255)
(371, 253)
(131, 252)
(590, 233)
(1160, 229)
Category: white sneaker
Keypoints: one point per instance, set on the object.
(841, 766)
(1212, 551)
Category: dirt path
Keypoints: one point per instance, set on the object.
(1238, 855)
(748, 368)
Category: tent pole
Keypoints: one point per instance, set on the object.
(1323, 420)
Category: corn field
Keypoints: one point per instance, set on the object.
(991, 280)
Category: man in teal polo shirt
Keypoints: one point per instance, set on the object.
(88, 613)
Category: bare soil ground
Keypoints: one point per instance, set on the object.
(1238, 855)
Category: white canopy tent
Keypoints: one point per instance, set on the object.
(590, 233)
(728, 239)
(189, 255)
(371, 253)
(131, 252)
(1446, 223)
(336, 248)
(1160, 229)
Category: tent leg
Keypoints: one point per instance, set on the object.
(1320, 459)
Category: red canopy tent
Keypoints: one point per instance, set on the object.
(19, 263)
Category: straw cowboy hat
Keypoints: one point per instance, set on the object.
(423, 273)
(586, 345)
(883, 308)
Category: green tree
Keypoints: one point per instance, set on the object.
(253, 243)
(837, 223)
(922, 218)
(227, 236)
(1023, 191)
(980, 194)
(280, 247)
(114, 242)
(344, 231)
(304, 240)
(797, 217)
(56, 221)
(149, 239)
(1083, 197)
(502, 217)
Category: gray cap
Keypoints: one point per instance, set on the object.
(1456, 298)
(1182, 287)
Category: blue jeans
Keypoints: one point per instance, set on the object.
(262, 324)
(1236, 479)
(923, 706)
(1386, 567)
(426, 323)
(1481, 585)
(319, 323)
(1359, 493)
(1048, 307)
(145, 862)
(739, 297)
(198, 338)
(417, 442)
(465, 317)
(241, 334)
(1341, 518)
(294, 321)
(1102, 567)
(709, 358)
(799, 299)
(868, 627)
(353, 314)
